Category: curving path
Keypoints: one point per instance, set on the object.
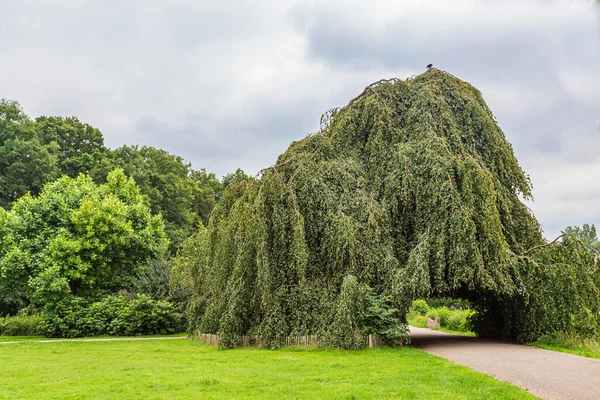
(544, 373)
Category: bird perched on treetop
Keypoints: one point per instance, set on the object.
(429, 66)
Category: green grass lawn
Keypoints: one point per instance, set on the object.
(567, 344)
(20, 338)
(188, 369)
(35, 338)
(461, 333)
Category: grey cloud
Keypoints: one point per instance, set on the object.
(223, 142)
(231, 85)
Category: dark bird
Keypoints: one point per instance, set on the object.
(429, 66)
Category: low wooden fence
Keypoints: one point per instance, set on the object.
(299, 341)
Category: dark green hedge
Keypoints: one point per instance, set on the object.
(21, 325)
(114, 315)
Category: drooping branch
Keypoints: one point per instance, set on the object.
(545, 245)
(372, 85)
(561, 236)
(274, 167)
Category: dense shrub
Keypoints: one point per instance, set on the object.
(458, 320)
(420, 307)
(21, 325)
(383, 320)
(113, 315)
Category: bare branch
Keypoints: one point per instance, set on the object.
(545, 245)
(563, 235)
(372, 85)
(274, 167)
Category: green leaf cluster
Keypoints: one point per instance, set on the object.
(183, 196)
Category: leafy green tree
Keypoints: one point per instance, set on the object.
(238, 175)
(210, 190)
(586, 233)
(172, 188)
(409, 191)
(80, 146)
(26, 162)
(76, 239)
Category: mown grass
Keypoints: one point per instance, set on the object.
(20, 338)
(37, 338)
(187, 369)
(570, 344)
(461, 333)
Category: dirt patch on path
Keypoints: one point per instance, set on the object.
(544, 373)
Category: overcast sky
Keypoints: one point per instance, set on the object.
(230, 84)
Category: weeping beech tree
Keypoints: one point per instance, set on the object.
(411, 190)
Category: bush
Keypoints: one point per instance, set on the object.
(145, 316)
(382, 319)
(113, 315)
(420, 307)
(458, 320)
(21, 325)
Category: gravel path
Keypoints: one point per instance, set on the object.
(546, 374)
(96, 340)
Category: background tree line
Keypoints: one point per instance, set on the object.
(69, 240)
(101, 241)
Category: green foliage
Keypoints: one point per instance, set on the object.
(442, 312)
(182, 196)
(237, 176)
(456, 318)
(420, 321)
(411, 190)
(454, 304)
(586, 233)
(114, 315)
(21, 325)
(80, 147)
(383, 320)
(33, 153)
(26, 162)
(154, 279)
(558, 283)
(75, 239)
(350, 308)
(420, 307)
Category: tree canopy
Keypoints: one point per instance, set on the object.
(80, 147)
(26, 162)
(76, 239)
(411, 190)
(35, 152)
(183, 196)
(586, 233)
